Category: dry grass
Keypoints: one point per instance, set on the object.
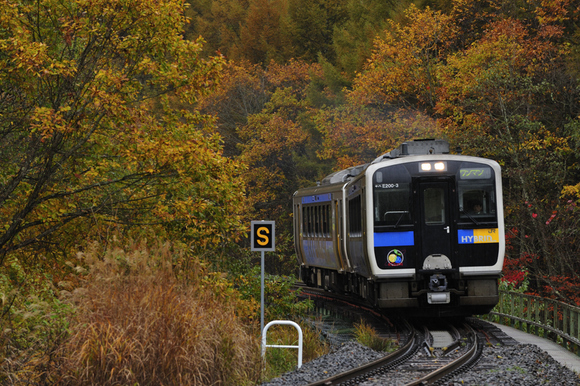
(138, 324)
(143, 315)
(368, 336)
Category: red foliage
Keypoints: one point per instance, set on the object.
(563, 288)
(514, 277)
(559, 287)
(510, 235)
(514, 269)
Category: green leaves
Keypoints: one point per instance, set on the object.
(98, 120)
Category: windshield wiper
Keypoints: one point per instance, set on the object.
(400, 212)
(471, 218)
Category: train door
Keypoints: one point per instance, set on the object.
(339, 234)
(436, 223)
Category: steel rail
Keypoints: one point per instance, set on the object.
(371, 368)
(466, 359)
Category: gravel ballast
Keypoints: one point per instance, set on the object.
(520, 364)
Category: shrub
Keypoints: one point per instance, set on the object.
(138, 323)
(33, 321)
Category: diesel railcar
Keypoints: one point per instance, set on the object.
(417, 230)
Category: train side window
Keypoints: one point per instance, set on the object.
(316, 221)
(326, 220)
(308, 221)
(392, 198)
(322, 219)
(319, 221)
(355, 213)
(434, 204)
(310, 224)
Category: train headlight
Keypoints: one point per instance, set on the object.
(433, 166)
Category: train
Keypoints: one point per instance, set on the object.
(418, 230)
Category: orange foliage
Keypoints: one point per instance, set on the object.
(355, 135)
(403, 65)
(296, 74)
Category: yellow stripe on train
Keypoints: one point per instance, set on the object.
(478, 236)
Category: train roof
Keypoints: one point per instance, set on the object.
(417, 147)
(410, 148)
(342, 175)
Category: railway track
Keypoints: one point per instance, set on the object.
(431, 353)
(416, 363)
(360, 374)
(469, 351)
(460, 354)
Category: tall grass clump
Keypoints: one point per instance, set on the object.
(368, 336)
(152, 315)
(33, 320)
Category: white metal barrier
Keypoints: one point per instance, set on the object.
(283, 322)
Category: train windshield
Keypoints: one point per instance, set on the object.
(434, 202)
(477, 200)
(392, 197)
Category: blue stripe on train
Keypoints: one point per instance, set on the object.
(316, 198)
(394, 239)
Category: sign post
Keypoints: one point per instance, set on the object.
(262, 238)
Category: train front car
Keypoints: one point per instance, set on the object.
(434, 230)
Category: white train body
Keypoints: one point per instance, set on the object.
(417, 229)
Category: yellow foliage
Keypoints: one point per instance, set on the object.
(100, 123)
(571, 191)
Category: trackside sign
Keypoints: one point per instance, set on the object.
(263, 235)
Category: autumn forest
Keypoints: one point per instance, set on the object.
(139, 138)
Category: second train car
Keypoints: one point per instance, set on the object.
(418, 230)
